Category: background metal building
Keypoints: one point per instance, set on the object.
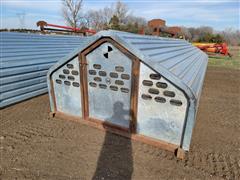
(145, 85)
(25, 59)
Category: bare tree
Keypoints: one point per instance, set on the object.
(116, 16)
(121, 11)
(95, 20)
(231, 36)
(71, 12)
(99, 19)
(136, 19)
(185, 32)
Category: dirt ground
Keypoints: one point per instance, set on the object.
(33, 146)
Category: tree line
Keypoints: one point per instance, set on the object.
(118, 17)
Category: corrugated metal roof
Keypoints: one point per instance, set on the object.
(176, 59)
(25, 59)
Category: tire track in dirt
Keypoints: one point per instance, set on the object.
(215, 164)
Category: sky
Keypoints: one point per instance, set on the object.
(219, 14)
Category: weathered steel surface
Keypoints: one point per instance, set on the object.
(161, 107)
(109, 85)
(67, 88)
(181, 66)
(176, 59)
(24, 62)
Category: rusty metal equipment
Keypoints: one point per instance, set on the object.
(143, 87)
(59, 28)
(214, 48)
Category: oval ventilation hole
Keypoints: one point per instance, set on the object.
(153, 91)
(161, 85)
(102, 73)
(155, 76)
(175, 102)
(146, 97)
(92, 84)
(70, 66)
(75, 84)
(97, 66)
(147, 83)
(67, 83)
(66, 71)
(103, 86)
(58, 81)
(71, 78)
(119, 68)
(113, 75)
(98, 79)
(75, 73)
(160, 99)
(114, 88)
(169, 93)
(119, 82)
(92, 72)
(125, 90)
(61, 76)
(125, 76)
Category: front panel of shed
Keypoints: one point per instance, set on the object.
(161, 107)
(113, 93)
(109, 85)
(66, 85)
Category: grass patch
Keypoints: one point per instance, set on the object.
(225, 61)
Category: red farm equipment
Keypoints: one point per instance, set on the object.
(44, 26)
(214, 48)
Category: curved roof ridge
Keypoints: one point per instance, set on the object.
(156, 63)
(147, 60)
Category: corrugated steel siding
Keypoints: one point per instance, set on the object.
(182, 60)
(24, 62)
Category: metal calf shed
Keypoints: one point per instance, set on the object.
(24, 61)
(144, 87)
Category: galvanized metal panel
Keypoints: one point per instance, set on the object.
(166, 59)
(109, 93)
(25, 59)
(66, 81)
(159, 115)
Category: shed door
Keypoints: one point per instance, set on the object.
(109, 85)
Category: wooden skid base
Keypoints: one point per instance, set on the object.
(180, 153)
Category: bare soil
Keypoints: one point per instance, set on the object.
(34, 146)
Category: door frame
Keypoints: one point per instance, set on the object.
(134, 84)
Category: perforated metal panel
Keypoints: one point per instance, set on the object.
(67, 88)
(109, 85)
(161, 107)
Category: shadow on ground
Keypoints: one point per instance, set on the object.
(115, 160)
